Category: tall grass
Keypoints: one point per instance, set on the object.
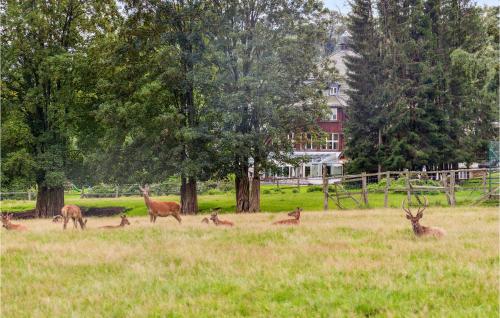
(357, 263)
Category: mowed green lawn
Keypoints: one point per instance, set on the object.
(356, 263)
(272, 200)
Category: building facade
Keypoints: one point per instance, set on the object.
(327, 148)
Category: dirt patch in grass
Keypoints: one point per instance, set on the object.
(104, 211)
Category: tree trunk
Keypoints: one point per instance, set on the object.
(242, 191)
(255, 192)
(49, 201)
(189, 197)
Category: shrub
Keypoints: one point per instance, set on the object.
(214, 192)
(314, 189)
(295, 191)
(266, 191)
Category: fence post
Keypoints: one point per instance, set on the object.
(29, 195)
(325, 188)
(387, 186)
(444, 178)
(116, 191)
(364, 190)
(485, 175)
(452, 189)
(298, 183)
(408, 189)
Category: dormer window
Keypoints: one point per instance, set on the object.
(333, 91)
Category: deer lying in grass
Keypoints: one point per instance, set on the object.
(418, 229)
(157, 208)
(123, 222)
(294, 221)
(73, 212)
(215, 218)
(6, 223)
(58, 218)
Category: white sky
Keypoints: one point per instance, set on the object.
(344, 7)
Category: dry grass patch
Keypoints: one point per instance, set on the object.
(342, 264)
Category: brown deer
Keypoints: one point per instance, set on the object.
(294, 221)
(418, 229)
(123, 222)
(215, 218)
(73, 212)
(205, 220)
(6, 223)
(157, 208)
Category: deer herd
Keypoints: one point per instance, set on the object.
(164, 209)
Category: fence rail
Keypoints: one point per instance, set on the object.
(482, 182)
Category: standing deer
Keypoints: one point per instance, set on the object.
(157, 208)
(73, 212)
(294, 221)
(123, 222)
(6, 223)
(215, 218)
(418, 229)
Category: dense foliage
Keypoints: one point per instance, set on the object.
(138, 91)
(425, 84)
(44, 50)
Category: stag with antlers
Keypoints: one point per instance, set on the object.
(162, 209)
(6, 223)
(215, 218)
(294, 221)
(418, 229)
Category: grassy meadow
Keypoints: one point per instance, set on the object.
(356, 263)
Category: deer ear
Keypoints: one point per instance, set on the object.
(420, 215)
(408, 217)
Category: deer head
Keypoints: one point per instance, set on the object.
(145, 190)
(6, 218)
(295, 213)
(420, 212)
(214, 216)
(124, 220)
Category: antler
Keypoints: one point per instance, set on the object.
(406, 210)
(422, 208)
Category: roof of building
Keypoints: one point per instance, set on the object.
(336, 100)
(316, 157)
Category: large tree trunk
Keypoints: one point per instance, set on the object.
(255, 192)
(49, 201)
(189, 197)
(242, 191)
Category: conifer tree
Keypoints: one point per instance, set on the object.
(365, 109)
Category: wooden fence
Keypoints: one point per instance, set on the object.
(339, 188)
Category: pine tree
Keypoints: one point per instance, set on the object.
(365, 108)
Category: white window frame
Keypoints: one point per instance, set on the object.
(333, 91)
(334, 114)
(309, 142)
(291, 137)
(332, 141)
